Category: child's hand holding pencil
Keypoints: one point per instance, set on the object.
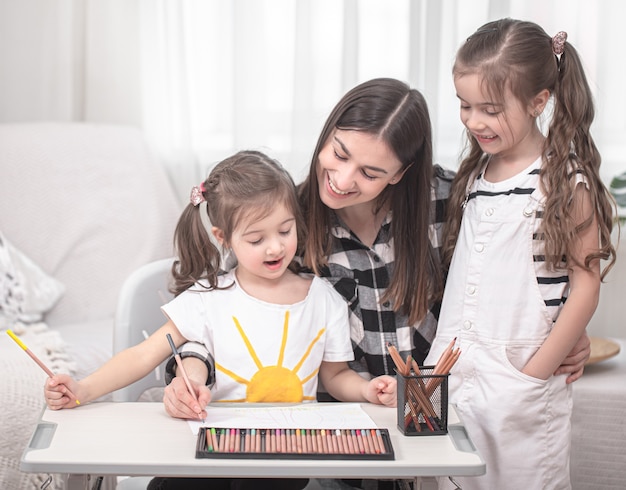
(59, 389)
(59, 392)
(187, 400)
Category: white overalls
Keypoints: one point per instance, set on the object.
(493, 305)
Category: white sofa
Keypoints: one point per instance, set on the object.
(81, 207)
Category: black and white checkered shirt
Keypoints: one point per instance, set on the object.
(362, 274)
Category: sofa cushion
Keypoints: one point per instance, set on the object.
(89, 204)
(26, 291)
(21, 385)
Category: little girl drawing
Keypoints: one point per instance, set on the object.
(529, 222)
(270, 331)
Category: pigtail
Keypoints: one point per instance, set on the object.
(198, 257)
(570, 148)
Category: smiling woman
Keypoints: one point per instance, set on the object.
(354, 168)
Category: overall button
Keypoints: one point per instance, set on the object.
(528, 212)
(467, 325)
(479, 247)
(489, 212)
(471, 290)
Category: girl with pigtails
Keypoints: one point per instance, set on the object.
(270, 331)
(529, 221)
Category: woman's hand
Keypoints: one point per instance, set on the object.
(574, 363)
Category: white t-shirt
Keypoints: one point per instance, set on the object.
(264, 352)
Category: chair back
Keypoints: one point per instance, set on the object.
(139, 315)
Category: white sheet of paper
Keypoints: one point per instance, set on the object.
(304, 416)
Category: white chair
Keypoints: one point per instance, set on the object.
(139, 315)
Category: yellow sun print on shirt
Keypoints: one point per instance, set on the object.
(273, 384)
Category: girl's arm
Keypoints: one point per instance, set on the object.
(123, 369)
(346, 385)
(176, 398)
(574, 363)
(581, 302)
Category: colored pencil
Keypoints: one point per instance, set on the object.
(69, 394)
(333, 441)
(222, 442)
(214, 439)
(381, 443)
(179, 363)
(314, 441)
(397, 359)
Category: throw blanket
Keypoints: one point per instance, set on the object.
(21, 385)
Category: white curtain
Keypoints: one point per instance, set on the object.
(205, 78)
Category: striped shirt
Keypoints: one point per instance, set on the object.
(553, 284)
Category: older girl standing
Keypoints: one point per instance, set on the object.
(530, 220)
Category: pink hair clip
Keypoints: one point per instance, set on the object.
(197, 196)
(558, 43)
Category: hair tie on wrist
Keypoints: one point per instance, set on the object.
(558, 43)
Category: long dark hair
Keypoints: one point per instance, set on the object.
(397, 114)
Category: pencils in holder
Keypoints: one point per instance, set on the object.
(179, 363)
(39, 362)
(416, 400)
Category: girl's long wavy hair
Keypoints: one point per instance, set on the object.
(518, 55)
(397, 114)
(245, 186)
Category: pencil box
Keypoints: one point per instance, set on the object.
(358, 444)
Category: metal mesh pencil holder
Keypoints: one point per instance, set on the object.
(423, 403)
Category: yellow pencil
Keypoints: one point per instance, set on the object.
(38, 361)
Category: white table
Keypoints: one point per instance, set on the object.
(141, 439)
(599, 425)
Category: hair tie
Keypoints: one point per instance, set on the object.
(197, 199)
(558, 43)
(197, 194)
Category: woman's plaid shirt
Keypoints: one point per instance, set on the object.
(362, 274)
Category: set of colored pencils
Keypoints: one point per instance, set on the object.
(295, 441)
(418, 393)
